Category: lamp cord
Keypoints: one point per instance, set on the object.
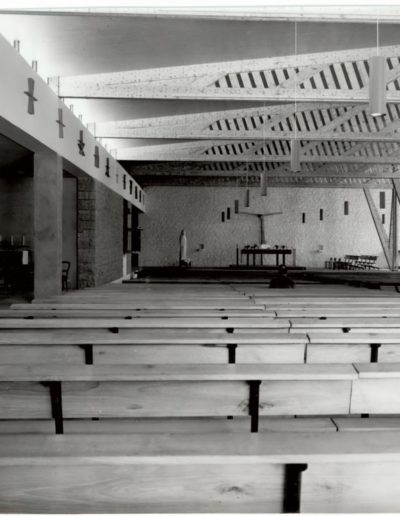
(377, 35)
(295, 82)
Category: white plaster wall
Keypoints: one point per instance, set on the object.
(198, 211)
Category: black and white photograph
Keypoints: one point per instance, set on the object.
(199, 257)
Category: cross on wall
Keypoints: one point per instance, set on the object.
(260, 217)
(31, 96)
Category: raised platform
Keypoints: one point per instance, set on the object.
(232, 274)
(369, 279)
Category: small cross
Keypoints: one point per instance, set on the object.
(60, 123)
(31, 98)
(81, 144)
(108, 167)
(96, 156)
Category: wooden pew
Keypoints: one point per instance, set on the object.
(345, 324)
(94, 311)
(224, 322)
(337, 311)
(377, 390)
(119, 303)
(133, 346)
(273, 294)
(120, 391)
(342, 472)
(353, 347)
(171, 425)
(325, 300)
(370, 424)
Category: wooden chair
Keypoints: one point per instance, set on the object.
(66, 265)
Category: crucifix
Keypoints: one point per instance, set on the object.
(81, 144)
(31, 96)
(60, 123)
(261, 216)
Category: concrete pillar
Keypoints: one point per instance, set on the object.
(48, 193)
(395, 250)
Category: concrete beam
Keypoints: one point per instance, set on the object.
(249, 79)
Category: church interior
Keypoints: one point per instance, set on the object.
(199, 282)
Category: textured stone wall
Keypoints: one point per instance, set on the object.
(198, 211)
(100, 222)
(86, 232)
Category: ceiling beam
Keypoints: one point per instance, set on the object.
(264, 80)
(227, 170)
(211, 150)
(273, 182)
(310, 13)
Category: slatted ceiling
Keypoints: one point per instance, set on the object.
(393, 63)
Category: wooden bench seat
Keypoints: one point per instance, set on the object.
(93, 312)
(146, 322)
(360, 347)
(377, 391)
(153, 303)
(174, 425)
(282, 294)
(337, 311)
(142, 346)
(370, 424)
(91, 296)
(342, 472)
(120, 391)
(345, 324)
(326, 300)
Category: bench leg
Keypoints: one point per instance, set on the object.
(292, 487)
(88, 350)
(56, 405)
(254, 404)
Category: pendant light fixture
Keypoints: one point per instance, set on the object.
(295, 143)
(247, 197)
(377, 81)
(263, 175)
(236, 202)
(263, 184)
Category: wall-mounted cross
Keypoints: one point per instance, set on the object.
(31, 96)
(60, 123)
(96, 156)
(261, 216)
(81, 144)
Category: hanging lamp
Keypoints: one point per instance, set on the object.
(247, 197)
(263, 175)
(377, 81)
(263, 184)
(295, 165)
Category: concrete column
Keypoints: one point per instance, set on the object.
(395, 250)
(48, 194)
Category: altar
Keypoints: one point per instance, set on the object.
(280, 255)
